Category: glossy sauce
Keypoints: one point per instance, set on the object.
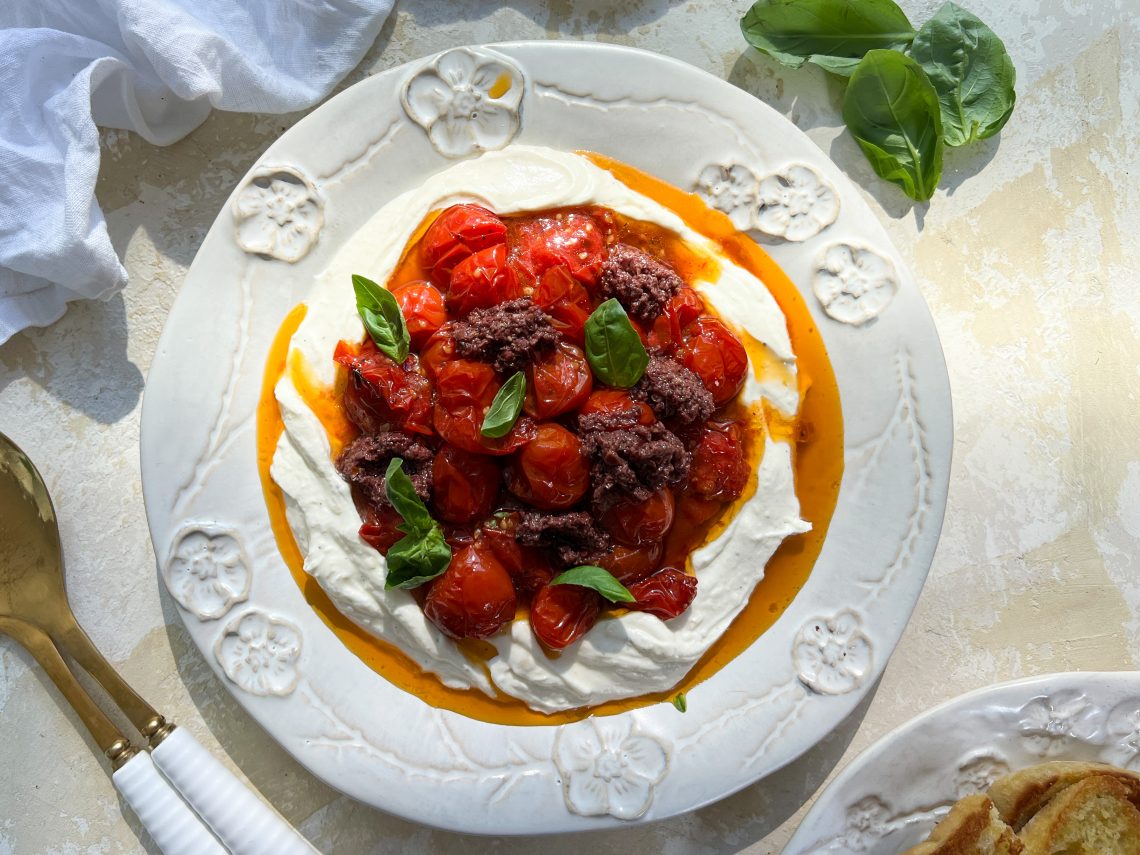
(818, 456)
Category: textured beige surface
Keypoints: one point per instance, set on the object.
(1027, 256)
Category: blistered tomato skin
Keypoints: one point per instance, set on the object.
(666, 594)
(465, 485)
(474, 598)
(379, 529)
(574, 241)
(561, 614)
(380, 393)
(550, 471)
(631, 563)
(527, 565)
(719, 470)
(565, 301)
(641, 523)
(560, 383)
(671, 325)
(714, 353)
(424, 312)
(482, 280)
(614, 401)
(438, 349)
(464, 392)
(457, 233)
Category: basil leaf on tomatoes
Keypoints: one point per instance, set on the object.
(382, 318)
(613, 347)
(422, 553)
(598, 579)
(892, 110)
(971, 71)
(833, 34)
(505, 408)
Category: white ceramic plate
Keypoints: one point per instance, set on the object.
(283, 224)
(893, 793)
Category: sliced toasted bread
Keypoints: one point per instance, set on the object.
(1018, 796)
(972, 827)
(1091, 817)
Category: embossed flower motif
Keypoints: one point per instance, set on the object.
(608, 768)
(279, 214)
(796, 204)
(977, 773)
(1048, 724)
(832, 655)
(260, 653)
(467, 101)
(207, 572)
(853, 284)
(1123, 728)
(868, 820)
(732, 190)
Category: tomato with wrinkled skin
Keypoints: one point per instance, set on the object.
(679, 314)
(641, 523)
(464, 392)
(631, 563)
(558, 383)
(474, 597)
(719, 470)
(714, 353)
(561, 614)
(464, 485)
(528, 565)
(607, 401)
(378, 529)
(438, 349)
(550, 471)
(572, 240)
(565, 302)
(423, 310)
(380, 393)
(666, 594)
(457, 233)
(482, 280)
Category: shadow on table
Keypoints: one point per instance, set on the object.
(580, 18)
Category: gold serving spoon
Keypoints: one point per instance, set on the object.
(34, 611)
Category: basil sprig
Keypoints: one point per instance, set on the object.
(505, 408)
(833, 34)
(613, 347)
(596, 578)
(422, 553)
(382, 318)
(970, 70)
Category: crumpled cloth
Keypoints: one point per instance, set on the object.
(156, 67)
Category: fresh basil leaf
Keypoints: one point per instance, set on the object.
(505, 408)
(833, 34)
(415, 559)
(892, 110)
(681, 702)
(971, 71)
(382, 318)
(613, 347)
(596, 578)
(402, 494)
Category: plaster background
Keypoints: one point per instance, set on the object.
(1023, 255)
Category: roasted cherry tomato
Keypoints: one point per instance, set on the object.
(641, 523)
(561, 614)
(559, 383)
(465, 390)
(666, 594)
(457, 233)
(715, 354)
(616, 401)
(464, 485)
(565, 302)
(719, 470)
(671, 325)
(550, 471)
(628, 563)
(423, 309)
(482, 280)
(438, 349)
(379, 528)
(380, 393)
(474, 597)
(574, 241)
(528, 566)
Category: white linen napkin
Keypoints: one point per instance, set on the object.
(153, 66)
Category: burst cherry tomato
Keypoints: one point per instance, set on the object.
(561, 614)
(565, 301)
(550, 471)
(572, 240)
(641, 523)
(423, 309)
(474, 597)
(719, 470)
(715, 354)
(666, 594)
(464, 485)
(528, 566)
(440, 348)
(381, 393)
(559, 383)
(482, 280)
(671, 325)
(616, 401)
(628, 564)
(379, 527)
(457, 233)
(465, 390)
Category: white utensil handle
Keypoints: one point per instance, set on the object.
(240, 819)
(167, 819)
